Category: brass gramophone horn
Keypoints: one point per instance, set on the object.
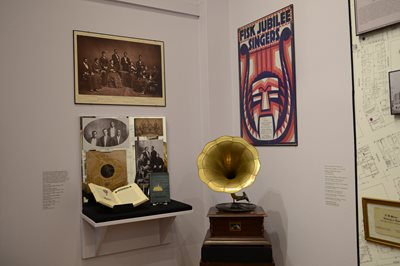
(229, 164)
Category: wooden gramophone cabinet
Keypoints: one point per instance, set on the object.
(236, 239)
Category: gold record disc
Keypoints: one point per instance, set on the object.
(107, 169)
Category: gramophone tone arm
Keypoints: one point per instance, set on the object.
(239, 198)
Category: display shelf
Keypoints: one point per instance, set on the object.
(106, 231)
(133, 220)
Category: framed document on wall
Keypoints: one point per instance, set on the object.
(375, 14)
(382, 221)
(119, 70)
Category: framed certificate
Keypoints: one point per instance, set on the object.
(382, 221)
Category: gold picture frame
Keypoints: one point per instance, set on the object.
(382, 221)
(118, 70)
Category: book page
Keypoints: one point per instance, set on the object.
(103, 195)
(130, 194)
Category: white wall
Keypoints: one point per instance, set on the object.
(41, 127)
(290, 185)
(202, 104)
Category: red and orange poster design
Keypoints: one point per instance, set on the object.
(267, 80)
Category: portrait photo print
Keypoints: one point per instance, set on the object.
(119, 70)
(105, 133)
(149, 159)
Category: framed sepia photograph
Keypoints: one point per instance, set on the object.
(375, 14)
(118, 70)
(382, 221)
(394, 87)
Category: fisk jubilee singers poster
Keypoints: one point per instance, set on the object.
(267, 80)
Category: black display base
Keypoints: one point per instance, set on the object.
(100, 213)
(237, 254)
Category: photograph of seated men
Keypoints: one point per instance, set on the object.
(150, 159)
(118, 68)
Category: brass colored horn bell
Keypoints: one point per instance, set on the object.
(228, 164)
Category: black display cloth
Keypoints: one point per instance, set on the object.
(100, 213)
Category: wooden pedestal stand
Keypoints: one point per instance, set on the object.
(236, 239)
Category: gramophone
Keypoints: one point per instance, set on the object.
(236, 235)
(229, 164)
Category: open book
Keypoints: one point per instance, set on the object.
(129, 194)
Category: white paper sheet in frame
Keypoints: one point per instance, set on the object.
(376, 14)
